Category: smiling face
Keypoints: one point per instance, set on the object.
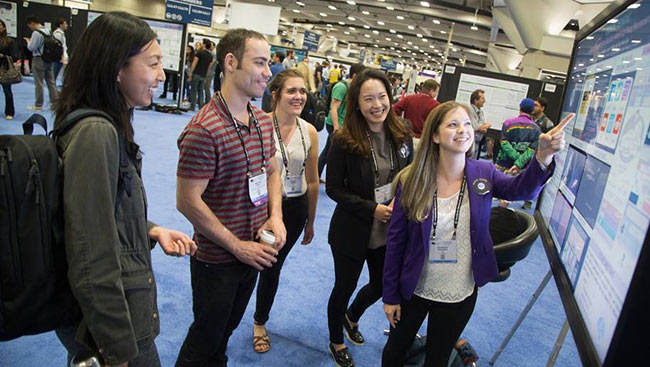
(373, 102)
(251, 73)
(455, 133)
(292, 98)
(139, 78)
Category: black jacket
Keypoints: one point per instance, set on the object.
(351, 183)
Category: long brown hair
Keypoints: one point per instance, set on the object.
(277, 84)
(4, 39)
(419, 178)
(353, 134)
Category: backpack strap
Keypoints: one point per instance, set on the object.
(34, 119)
(124, 177)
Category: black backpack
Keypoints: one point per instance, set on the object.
(35, 295)
(310, 112)
(52, 48)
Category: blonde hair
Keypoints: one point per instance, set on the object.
(419, 178)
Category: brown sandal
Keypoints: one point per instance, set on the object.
(262, 343)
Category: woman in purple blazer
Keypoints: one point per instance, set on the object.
(439, 249)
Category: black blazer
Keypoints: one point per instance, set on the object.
(351, 183)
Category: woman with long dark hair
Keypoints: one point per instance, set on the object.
(373, 145)
(296, 154)
(439, 249)
(7, 48)
(107, 235)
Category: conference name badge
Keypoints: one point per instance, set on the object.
(293, 185)
(404, 151)
(257, 190)
(443, 251)
(383, 194)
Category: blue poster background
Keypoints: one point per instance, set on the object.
(197, 12)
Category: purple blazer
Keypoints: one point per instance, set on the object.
(407, 243)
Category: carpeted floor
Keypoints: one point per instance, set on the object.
(298, 325)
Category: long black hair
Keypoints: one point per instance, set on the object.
(91, 76)
(4, 39)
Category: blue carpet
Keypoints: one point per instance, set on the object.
(298, 324)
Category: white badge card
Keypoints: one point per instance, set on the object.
(293, 185)
(383, 194)
(443, 251)
(257, 190)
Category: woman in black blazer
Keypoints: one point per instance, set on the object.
(373, 145)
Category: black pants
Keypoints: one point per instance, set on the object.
(346, 276)
(294, 213)
(9, 100)
(322, 158)
(220, 294)
(446, 322)
(173, 79)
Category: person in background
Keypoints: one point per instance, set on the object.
(198, 72)
(337, 112)
(187, 85)
(439, 249)
(477, 101)
(296, 156)
(59, 34)
(290, 61)
(42, 70)
(7, 48)
(108, 237)
(228, 187)
(372, 146)
(318, 76)
(417, 107)
(211, 70)
(519, 136)
(305, 71)
(334, 74)
(325, 75)
(277, 65)
(545, 124)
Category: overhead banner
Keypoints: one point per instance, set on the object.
(197, 12)
(311, 41)
(388, 64)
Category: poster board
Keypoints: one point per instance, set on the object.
(594, 213)
(502, 92)
(171, 37)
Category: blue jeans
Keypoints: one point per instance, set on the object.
(197, 89)
(147, 352)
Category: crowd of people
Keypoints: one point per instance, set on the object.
(248, 182)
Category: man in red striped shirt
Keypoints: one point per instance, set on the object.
(228, 187)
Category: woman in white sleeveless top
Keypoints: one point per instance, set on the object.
(296, 143)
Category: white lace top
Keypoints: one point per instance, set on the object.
(450, 282)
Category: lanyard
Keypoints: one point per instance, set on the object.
(285, 160)
(374, 160)
(456, 215)
(241, 137)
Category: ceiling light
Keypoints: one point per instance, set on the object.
(366, 26)
(388, 39)
(589, 38)
(638, 58)
(400, 17)
(409, 42)
(351, 2)
(352, 18)
(392, 31)
(390, 8)
(365, 12)
(616, 49)
(416, 47)
(443, 32)
(332, 7)
(376, 45)
(342, 23)
(419, 35)
(366, 35)
(474, 28)
(626, 61)
(380, 22)
(299, 3)
(392, 48)
(411, 27)
(601, 56)
(375, 31)
(346, 32)
(436, 21)
(425, 40)
(634, 6)
(329, 25)
(296, 11)
(323, 15)
(612, 21)
(636, 41)
(424, 3)
(351, 28)
(400, 36)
